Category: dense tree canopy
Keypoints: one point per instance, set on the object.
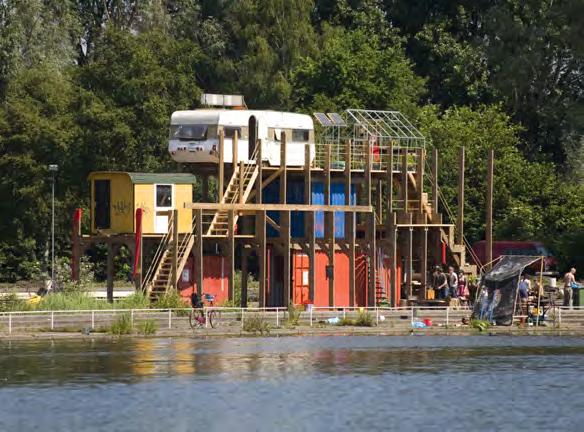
(90, 85)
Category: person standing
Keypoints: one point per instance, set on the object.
(569, 279)
(462, 287)
(452, 282)
(440, 283)
(524, 289)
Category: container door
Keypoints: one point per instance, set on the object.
(253, 136)
(163, 200)
(101, 190)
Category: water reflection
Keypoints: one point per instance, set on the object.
(133, 360)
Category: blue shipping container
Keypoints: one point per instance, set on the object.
(295, 195)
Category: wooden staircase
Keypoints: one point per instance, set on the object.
(238, 191)
(159, 278)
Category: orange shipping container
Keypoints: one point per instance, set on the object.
(215, 281)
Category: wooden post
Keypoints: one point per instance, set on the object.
(235, 149)
(309, 219)
(460, 213)
(379, 201)
(199, 251)
(435, 181)
(261, 236)
(241, 180)
(424, 263)
(110, 271)
(372, 283)
(259, 178)
(367, 173)
(231, 249)
(329, 225)
(390, 183)
(350, 225)
(421, 156)
(175, 246)
(489, 227)
(221, 175)
(404, 178)
(284, 220)
(244, 258)
(394, 301)
(409, 262)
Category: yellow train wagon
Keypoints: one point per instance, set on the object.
(116, 195)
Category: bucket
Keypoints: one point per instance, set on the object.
(428, 322)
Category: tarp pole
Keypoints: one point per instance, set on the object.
(539, 290)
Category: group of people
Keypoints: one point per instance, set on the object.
(451, 284)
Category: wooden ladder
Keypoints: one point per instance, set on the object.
(238, 191)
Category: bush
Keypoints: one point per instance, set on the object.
(147, 327)
(70, 301)
(256, 324)
(346, 322)
(138, 300)
(481, 325)
(122, 325)
(364, 319)
(293, 315)
(170, 300)
(11, 303)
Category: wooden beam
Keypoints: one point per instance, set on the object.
(424, 263)
(273, 223)
(241, 181)
(175, 245)
(235, 149)
(404, 178)
(379, 201)
(421, 159)
(221, 175)
(231, 252)
(460, 212)
(198, 250)
(351, 239)
(350, 224)
(367, 174)
(389, 180)
(394, 300)
(261, 252)
(435, 181)
(489, 225)
(260, 173)
(285, 239)
(278, 207)
(409, 262)
(244, 275)
(309, 220)
(371, 300)
(329, 227)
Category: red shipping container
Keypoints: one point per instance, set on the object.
(215, 278)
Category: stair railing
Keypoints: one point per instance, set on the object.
(162, 247)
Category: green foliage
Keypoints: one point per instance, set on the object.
(346, 322)
(70, 301)
(11, 303)
(136, 300)
(364, 319)
(170, 300)
(293, 315)
(256, 324)
(480, 325)
(122, 325)
(147, 327)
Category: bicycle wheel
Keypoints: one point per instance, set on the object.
(193, 321)
(214, 318)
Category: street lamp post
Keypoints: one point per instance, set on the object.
(53, 169)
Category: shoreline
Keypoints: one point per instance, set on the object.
(302, 331)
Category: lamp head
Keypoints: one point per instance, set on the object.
(53, 167)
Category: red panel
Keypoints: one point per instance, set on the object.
(215, 280)
(361, 269)
(300, 278)
(321, 281)
(341, 279)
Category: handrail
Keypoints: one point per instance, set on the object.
(162, 247)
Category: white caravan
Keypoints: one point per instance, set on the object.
(194, 135)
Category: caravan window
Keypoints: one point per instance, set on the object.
(163, 195)
(229, 131)
(189, 132)
(300, 135)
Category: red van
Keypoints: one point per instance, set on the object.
(526, 248)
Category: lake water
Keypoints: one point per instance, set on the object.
(339, 383)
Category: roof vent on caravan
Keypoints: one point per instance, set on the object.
(233, 101)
